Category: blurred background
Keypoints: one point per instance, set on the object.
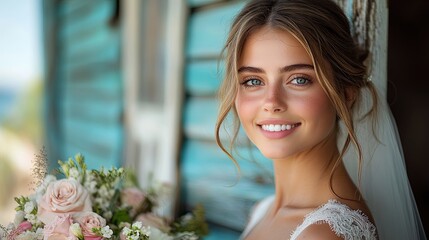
(21, 96)
(133, 83)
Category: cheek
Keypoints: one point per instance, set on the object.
(245, 106)
(318, 108)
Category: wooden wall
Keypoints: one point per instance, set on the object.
(84, 99)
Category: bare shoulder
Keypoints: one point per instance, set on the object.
(318, 232)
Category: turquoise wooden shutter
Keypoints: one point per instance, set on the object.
(84, 100)
(208, 175)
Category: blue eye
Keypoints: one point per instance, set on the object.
(252, 82)
(300, 81)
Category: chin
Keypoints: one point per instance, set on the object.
(270, 154)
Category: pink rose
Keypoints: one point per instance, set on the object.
(58, 228)
(132, 197)
(150, 219)
(63, 196)
(22, 227)
(60, 237)
(88, 221)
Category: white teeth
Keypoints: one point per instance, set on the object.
(278, 127)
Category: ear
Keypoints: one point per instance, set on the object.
(350, 96)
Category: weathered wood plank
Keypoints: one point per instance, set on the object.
(198, 3)
(104, 85)
(80, 23)
(199, 119)
(93, 159)
(71, 6)
(104, 44)
(89, 72)
(89, 109)
(86, 82)
(207, 30)
(217, 232)
(100, 40)
(202, 78)
(210, 178)
(92, 138)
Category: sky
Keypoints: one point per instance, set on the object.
(20, 42)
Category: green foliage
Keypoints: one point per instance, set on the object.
(192, 222)
(121, 216)
(21, 202)
(78, 164)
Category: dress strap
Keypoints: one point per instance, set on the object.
(344, 222)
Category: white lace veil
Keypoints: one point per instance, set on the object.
(384, 183)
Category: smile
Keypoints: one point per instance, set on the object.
(278, 127)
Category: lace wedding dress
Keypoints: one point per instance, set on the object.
(345, 222)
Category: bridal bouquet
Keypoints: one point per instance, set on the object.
(96, 204)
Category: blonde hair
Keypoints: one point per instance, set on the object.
(324, 31)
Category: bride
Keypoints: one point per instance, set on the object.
(296, 82)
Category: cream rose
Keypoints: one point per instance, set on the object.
(63, 196)
(88, 221)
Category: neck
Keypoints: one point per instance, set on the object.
(303, 180)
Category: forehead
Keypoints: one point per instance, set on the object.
(273, 44)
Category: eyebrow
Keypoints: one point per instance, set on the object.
(288, 68)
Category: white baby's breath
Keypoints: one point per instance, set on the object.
(74, 173)
(31, 218)
(90, 182)
(138, 225)
(29, 207)
(106, 232)
(136, 230)
(146, 230)
(30, 236)
(126, 231)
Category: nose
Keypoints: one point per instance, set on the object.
(275, 100)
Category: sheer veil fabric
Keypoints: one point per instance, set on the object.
(384, 183)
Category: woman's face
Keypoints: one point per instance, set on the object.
(280, 102)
